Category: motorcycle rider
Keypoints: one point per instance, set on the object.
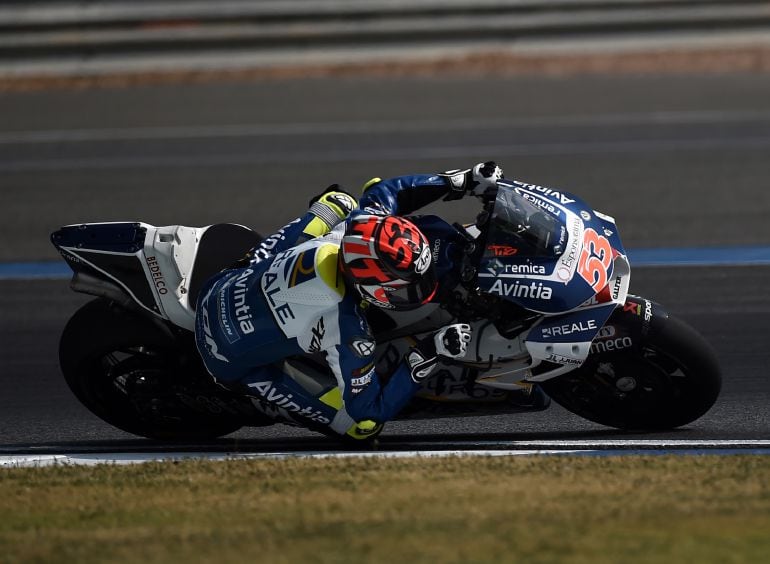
(300, 293)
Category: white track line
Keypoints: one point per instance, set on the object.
(511, 448)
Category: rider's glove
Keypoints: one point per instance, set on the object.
(449, 342)
(331, 207)
(476, 181)
(452, 341)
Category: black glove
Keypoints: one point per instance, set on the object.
(449, 342)
(476, 181)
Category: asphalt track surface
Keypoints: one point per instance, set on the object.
(678, 161)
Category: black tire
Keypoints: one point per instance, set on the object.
(121, 365)
(669, 378)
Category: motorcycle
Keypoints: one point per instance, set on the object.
(541, 277)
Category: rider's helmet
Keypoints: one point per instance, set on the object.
(388, 260)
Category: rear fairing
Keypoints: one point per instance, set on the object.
(158, 270)
(108, 260)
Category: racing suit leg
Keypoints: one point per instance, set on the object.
(275, 393)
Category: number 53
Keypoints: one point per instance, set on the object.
(595, 260)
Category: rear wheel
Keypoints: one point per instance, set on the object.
(126, 370)
(668, 378)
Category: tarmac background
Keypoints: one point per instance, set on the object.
(678, 160)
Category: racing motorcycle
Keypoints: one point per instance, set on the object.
(541, 277)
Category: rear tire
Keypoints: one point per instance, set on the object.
(122, 367)
(667, 380)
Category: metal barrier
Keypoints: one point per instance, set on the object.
(46, 28)
(47, 32)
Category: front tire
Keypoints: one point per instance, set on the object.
(123, 368)
(668, 378)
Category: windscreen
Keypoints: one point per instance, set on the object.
(520, 228)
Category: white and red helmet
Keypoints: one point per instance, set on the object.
(388, 260)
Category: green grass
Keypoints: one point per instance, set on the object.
(507, 509)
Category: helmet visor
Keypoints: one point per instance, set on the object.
(415, 293)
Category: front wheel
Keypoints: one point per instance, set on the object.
(644, 374)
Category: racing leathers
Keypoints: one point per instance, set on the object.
(291, 300)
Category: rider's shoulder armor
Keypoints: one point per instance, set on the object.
(327, 267)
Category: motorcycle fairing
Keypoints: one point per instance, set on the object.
(573, 327)
(548, 251)
(571, 267)
(169, 256)
(179, 260)
(560, 343)
(553, 346)
(161, 269)
(566, 339)
(111, 251)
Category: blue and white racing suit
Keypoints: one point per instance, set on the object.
(291, 300)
